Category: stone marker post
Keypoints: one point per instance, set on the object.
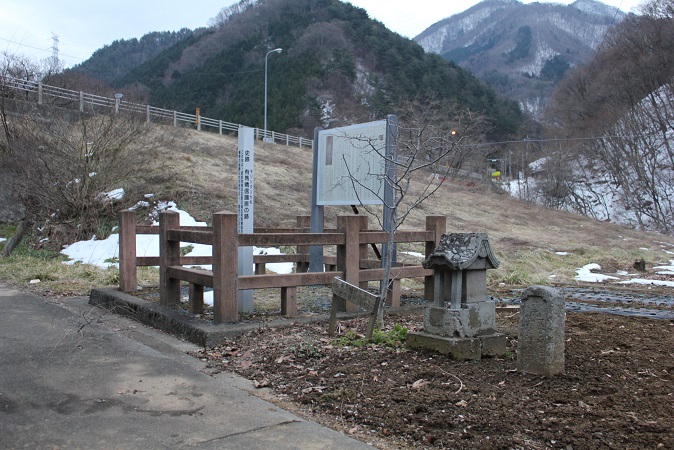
(540, 347)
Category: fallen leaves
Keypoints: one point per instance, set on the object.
(283, 359)
(245, 365)
(418, 384)
(405, 396)
(261, 383)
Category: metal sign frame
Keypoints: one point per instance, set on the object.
(351, 164)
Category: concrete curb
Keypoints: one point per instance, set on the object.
(183, 325)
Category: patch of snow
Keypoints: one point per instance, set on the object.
(208, 298)
(104, 253)
(115, 194)
(3, 239)
(671, 264)
(280, 268)
(669, 268)
(539, 164)
(327, 110)
(415, 254)
(561, 253)
(140, 204)
(96, 252)
(185, 219)
(648, 282)
(585, 274)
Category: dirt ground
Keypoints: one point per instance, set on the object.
(617, 391)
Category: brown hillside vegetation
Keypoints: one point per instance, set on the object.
(199, 172)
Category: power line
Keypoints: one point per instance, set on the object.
(24, 45)
(47, 50)
(521, 141)
(222, 73)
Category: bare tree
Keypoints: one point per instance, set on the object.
(223, 16)
(662, 9)
(62, 170)
(616, 115)
(425, 156)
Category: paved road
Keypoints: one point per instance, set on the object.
(74, 376)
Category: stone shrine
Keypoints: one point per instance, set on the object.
(461, 322)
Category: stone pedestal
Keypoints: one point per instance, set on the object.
(460, 349)
(470, 320)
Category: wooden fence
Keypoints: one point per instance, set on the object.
(351, 238)
(41, 93)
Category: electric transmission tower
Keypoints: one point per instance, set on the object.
(55, 51)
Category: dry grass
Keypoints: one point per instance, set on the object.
(525, 237)
(199, 172)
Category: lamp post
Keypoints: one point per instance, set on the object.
(276, 50)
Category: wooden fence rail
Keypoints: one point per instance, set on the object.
(351, 239)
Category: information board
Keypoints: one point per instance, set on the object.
(351, 164)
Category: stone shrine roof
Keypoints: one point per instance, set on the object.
(461, 251)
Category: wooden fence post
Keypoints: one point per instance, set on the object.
(437, 224)
(169, 255)
(225, 267)
(348, 256)
(363, 249)
(128, 276)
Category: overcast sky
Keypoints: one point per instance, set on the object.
(83, 26)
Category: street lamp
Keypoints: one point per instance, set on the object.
(276, 50)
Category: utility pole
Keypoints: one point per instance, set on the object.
(276, 50)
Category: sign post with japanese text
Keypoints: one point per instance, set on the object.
(246, 203)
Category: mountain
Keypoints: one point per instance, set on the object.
(119, 58)
(521, 50)
(337, 67)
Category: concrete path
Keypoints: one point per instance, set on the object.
(76, 376)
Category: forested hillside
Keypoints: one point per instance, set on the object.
(120, 57)
(337, 66)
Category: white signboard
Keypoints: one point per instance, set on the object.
(246, 192)
(351, 164)
(246, 203)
